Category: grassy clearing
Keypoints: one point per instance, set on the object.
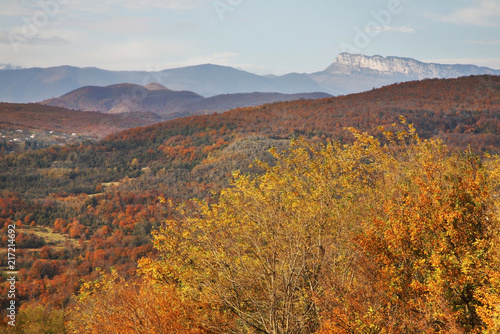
(54, 239)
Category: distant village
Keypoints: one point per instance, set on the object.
(20, 140)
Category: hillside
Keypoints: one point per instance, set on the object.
(232, 101)
(124, 98)
(155, 98)
(40, 118)
(103, 196)
(462, 111)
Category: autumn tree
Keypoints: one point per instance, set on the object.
(37, 320)
(273, 242)
(426, 248)
(114, 305)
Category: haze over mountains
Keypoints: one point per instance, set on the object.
(156, 98)
(349, 73)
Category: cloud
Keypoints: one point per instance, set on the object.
(167, 4)
(104, 6)
(130, 25)
(17, 39)
(10, 8)
(113, 56)
(28, 7)
(121, 25)
(380, 29)
(485, 13)
(143, 53)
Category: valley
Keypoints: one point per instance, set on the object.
(32, 126)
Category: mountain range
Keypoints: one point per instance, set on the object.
(156, 98)
(349, 73)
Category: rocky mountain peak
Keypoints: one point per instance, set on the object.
(9, 67)
(357, 64)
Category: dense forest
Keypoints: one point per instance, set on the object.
(329, 235)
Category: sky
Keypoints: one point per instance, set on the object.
(259, 36)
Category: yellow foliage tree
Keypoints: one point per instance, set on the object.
(274, 242)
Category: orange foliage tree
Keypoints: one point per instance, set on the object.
(425, 250)
(114, 305)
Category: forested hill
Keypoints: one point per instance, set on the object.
(463, 111)
(36, 117)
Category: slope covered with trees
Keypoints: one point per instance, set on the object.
(94, 205)
(393, 238)
(46, 118)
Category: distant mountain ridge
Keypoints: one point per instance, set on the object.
(349, 73)
(355, 64)
(354, 73)
(156, 98)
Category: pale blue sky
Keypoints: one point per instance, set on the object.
(261, 36)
